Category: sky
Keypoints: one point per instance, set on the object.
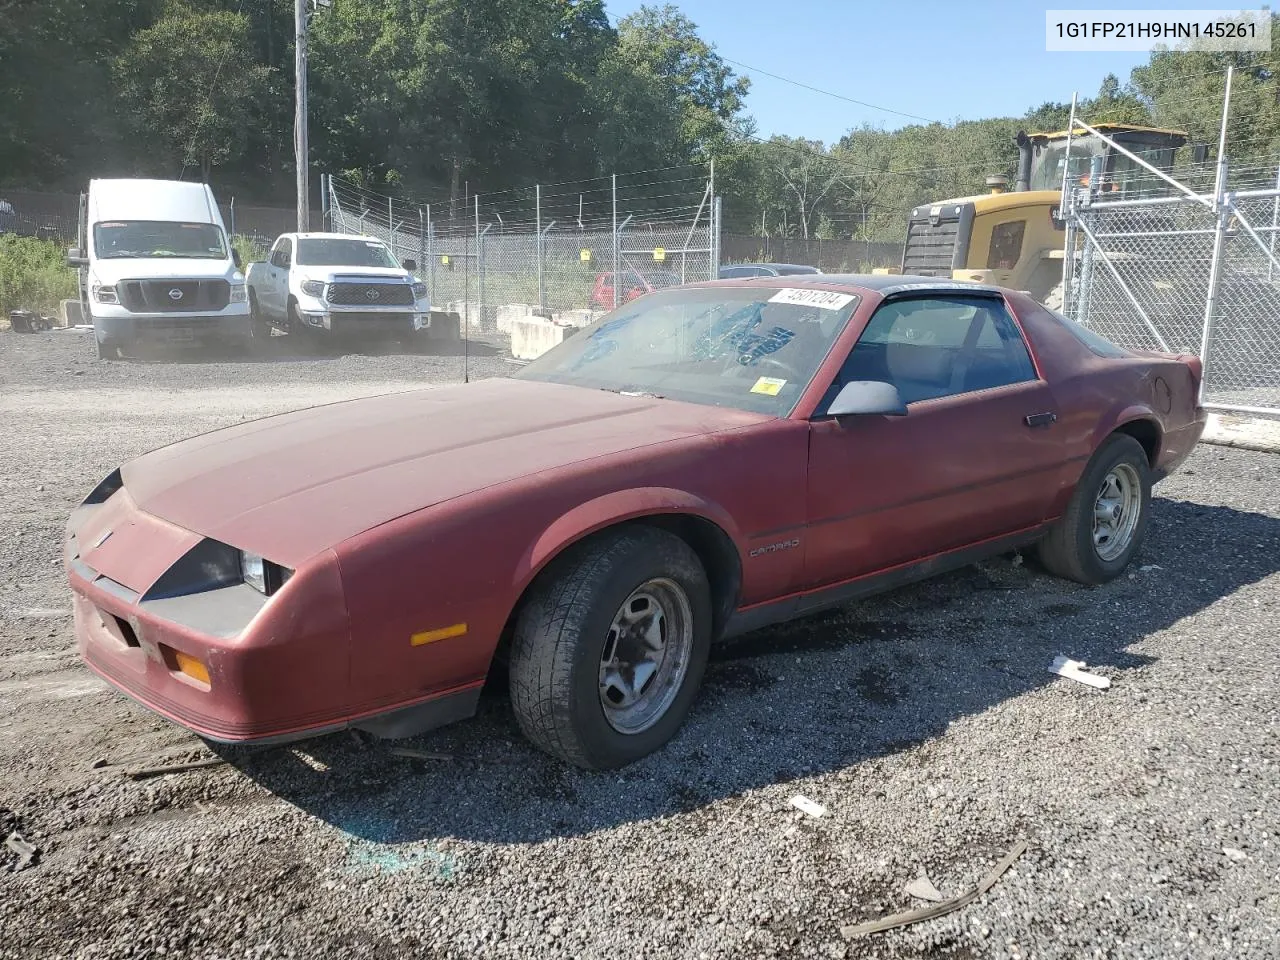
(939, 59)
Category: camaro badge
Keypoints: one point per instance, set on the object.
(774, 547)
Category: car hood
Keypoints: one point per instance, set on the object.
(289, 486)
(111, 271)
(329, 274)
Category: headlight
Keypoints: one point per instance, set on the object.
(105, 293)
(263, 575)
(104, 490)
(239, 293)
(419, 291)
(313, 288)
(213, 565)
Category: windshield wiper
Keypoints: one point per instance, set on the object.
(632, 393)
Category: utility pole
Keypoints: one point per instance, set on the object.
(301, 153)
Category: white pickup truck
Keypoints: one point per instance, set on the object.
(338, 284)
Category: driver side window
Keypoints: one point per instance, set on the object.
(282, 254)
(941, 346)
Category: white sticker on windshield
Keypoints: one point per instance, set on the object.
(826, 299)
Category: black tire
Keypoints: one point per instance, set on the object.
(560, 638)
(1068, 551)
(108, 350)
(259, 328)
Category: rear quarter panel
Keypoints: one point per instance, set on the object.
(1097, 395)
(468, 561)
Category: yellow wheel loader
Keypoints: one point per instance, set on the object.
(1016, 238)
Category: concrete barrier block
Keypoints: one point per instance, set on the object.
(468, 312)
(70, 313)
(577, 318)
(508, 313)
(531, 337)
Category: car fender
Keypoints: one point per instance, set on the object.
(1120, 415)
(611, 509)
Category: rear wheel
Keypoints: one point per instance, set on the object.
(610, 647)
(1106, 521)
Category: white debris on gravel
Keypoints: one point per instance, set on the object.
(923, 720)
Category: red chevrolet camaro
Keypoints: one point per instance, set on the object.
(701, 462)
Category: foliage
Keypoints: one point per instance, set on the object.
(33, 275)
(189, 86)
(431, 97)
(250, 250)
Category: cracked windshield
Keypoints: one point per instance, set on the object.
(751, 348)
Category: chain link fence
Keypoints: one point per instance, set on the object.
(1190, 271)
(552, 250)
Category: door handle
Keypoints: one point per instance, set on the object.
(1040, 419)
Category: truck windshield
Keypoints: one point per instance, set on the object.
(340, 252)
(118, 239)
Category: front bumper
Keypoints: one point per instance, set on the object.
(172, 327)
(405, 322)
(278, 669)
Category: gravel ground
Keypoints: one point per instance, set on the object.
(924, 721)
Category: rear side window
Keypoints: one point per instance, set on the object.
(1097, 343)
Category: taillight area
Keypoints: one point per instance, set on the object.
(1197, 368)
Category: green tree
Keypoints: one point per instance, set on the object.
(191, 89)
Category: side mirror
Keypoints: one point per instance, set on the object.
(76, 257)
(868, 398)
(411, 265)
(235, 258)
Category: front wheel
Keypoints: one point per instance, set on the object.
(109, 350)
(1106, 520)
(259, 327)
(609, 649)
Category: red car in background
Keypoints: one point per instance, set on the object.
(634, 284)
(709, 460)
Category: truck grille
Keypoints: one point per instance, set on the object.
(173, 296)
(931, 248)
(371, 294)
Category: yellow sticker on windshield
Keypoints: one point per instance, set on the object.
(769, 386)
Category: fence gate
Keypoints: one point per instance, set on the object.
(1189, 270)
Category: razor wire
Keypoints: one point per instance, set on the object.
(569, 247)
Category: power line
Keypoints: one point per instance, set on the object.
(828, 93)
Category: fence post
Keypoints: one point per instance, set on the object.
(1221, 208)
(1086, 266)
(537, 202)
(431, 259)
(233, 219)
(616, 278)
(715, 242)
(1275, 221)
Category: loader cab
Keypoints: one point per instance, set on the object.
(1017, 238)
(1122, 177)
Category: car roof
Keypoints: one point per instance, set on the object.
(886, 284)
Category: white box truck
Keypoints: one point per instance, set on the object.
(156, 264)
